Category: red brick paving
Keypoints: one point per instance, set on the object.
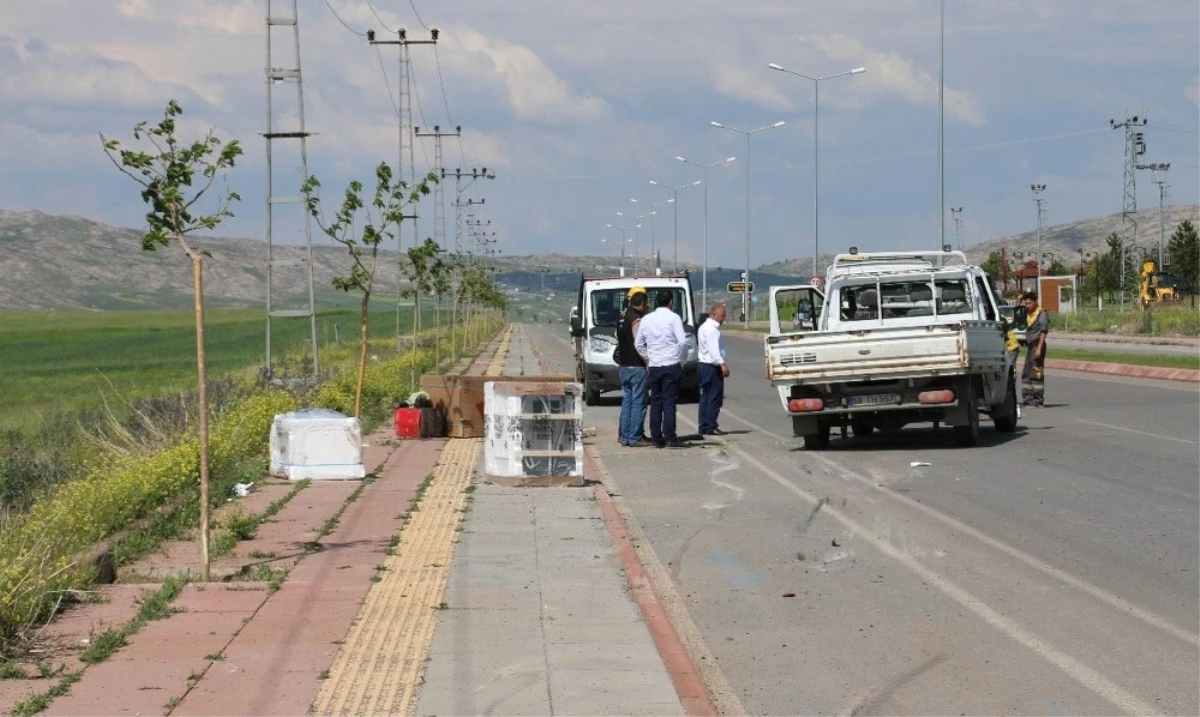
(274, 664)
(1124, 369)
(65, 637)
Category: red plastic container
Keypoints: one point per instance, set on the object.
(407, 422)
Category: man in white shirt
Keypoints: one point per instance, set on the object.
(713, 370)
(662, 342)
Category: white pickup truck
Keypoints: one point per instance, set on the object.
(902, 338)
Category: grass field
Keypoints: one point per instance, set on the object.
(67, 361)
(1158, 360)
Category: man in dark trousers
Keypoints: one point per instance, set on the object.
(663, 344)
(1037, 323)
(635, 381)
(713, 371)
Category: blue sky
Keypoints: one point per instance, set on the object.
(577, 105)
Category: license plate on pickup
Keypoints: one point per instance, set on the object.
(878, 399)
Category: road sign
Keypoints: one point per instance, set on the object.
(739, 287)
(816, 281)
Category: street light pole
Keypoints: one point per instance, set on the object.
(705, 167)
(942, 135)
(653, 212)
(1037, 197)
(746, 278)
(816, 151)
(675, 221)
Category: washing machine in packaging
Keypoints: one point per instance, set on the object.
(318, 444)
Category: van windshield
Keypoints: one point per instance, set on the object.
(609, 304)
(903, 299)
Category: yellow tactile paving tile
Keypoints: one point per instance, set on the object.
(496, 367)
(380, 664)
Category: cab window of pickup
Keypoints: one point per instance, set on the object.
(904, 299)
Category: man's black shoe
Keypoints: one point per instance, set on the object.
(718, 432)
(676, 444)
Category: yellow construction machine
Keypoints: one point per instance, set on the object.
(1157, 287)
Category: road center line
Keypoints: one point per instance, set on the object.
(1104, 596)
(1130, 430)
(1085, 675)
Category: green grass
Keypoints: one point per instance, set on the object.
(68, 361)
(1157, 360)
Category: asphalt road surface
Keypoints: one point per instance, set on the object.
(1053, 571)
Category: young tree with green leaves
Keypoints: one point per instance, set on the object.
(441, 278)
(385, 211)
(419, 272)
(175, 175)
(1184, 250)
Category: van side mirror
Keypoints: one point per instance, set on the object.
(576, 327)
(702, 319)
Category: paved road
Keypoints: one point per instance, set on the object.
(1049, 572)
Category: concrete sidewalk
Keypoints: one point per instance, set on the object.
(539, 618)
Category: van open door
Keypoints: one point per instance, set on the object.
(796, 309)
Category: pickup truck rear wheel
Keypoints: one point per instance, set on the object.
(968, 436)
(1006, 422)
(591, 396)
(818, 441)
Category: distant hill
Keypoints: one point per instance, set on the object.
(71, 262)
(1065, 240)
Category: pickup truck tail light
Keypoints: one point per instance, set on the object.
(945, 396)
(804, 405)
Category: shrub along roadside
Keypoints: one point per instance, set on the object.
(40, 551)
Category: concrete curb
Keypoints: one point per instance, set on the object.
(689, 686)
(1124, 369)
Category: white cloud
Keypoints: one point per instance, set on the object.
(741, 83)
(889, 74)
(46, 75)
(535, 92)
(1192, 91)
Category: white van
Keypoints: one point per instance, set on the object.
(601, 302)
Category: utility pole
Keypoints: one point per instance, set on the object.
(1037, 197)
(279, 75)
(942, 128)
(406, 139)
(439, 207)
(459, 187)
(1160, 180)
(1135, 146)
(957, 212)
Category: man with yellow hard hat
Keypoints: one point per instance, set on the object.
(635, 383)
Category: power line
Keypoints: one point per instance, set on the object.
(414, 9)
(445, 102)
(377, 17)
(420, 109)
(387, 82)
(339, 19)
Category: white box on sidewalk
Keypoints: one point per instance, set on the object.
(318, 444)
(533, 429)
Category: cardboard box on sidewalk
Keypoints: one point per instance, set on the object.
(460, 398)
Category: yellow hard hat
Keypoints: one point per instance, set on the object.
(636, 290)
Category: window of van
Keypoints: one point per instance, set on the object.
(609, 304)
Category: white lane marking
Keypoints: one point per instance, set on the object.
(1085, 675)
(1130, 430)
(1111, 600)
